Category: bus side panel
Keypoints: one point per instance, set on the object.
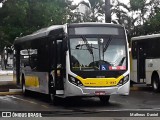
(37, 81)
(151, 66)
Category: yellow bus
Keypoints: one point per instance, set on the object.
(78, 59)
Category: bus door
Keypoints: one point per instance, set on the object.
(59, 59)
(140, 62)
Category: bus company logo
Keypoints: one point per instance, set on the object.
(6, 114)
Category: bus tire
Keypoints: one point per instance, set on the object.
(104, 99)
(155, 83)
(54, 99)
(52, 92)
(23, 86)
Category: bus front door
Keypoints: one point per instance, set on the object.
(140, 63)
(59, 84)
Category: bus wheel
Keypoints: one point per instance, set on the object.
(156, 83)
(104, 99)
(23, 88)
(54, 99)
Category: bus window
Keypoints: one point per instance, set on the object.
(33, 59)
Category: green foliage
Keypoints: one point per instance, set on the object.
(140, 17)
(94, 9)
(22, 17)
(137, 4)
(152, 25)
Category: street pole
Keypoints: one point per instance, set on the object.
(107, 11)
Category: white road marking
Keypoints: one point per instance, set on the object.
(22, 99)
(26, 100)
(45, 106)
(89, 110)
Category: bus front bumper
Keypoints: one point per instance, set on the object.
(73, 90)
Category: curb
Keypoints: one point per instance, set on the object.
(10, 93)
(10, 89)
(4, 83)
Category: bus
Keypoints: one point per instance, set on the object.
(78, 59)
(145, 60)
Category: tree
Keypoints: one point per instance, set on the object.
(94, 11)
(135, 15)
(22, 17)
(152, 26)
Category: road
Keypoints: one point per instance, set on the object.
(136, 101)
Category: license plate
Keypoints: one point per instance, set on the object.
(100, 93)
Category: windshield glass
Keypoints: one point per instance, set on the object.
(92, 54)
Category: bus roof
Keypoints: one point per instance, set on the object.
(145, 37)
(40, 33)
(45, 31)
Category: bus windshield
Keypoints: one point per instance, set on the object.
(98, 53)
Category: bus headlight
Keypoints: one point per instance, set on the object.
(124, 80)
(74, 81)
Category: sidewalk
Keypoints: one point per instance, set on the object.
(7, 85)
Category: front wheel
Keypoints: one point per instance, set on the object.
(54, 99)
(24, 91)
(156, 83)
(104, 99)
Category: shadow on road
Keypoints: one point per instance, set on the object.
(73, 102)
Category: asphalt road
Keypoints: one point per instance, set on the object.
(92, 107)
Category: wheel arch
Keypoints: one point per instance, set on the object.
(155, 82)
(154, 74)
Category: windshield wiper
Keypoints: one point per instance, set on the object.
(87, 45)
(107, 44)
(89, 48)
(121, 62)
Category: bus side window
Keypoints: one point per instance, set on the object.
(33, 59)
(43, 56)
